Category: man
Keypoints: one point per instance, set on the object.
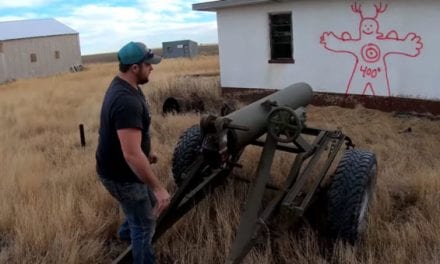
(124, 155)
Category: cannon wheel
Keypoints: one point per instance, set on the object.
(349, 195)
(186, 151)
(284, 124)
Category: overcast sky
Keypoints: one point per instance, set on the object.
(105, 25)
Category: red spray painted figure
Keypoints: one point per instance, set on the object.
(370, 50)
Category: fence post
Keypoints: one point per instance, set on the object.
(81, 133)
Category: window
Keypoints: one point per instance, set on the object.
(33, 57)
(281, 38)
(57, 54)
(1, 47)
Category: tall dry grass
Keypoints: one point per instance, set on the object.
(53, 209)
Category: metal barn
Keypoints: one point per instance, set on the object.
(37, 47)
(181, 48)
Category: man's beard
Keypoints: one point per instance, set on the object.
(141, 79)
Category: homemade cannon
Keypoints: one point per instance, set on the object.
(206, 154)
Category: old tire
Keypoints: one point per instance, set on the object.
(186, 151)
(350, 194)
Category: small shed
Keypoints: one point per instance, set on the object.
(37, 47)
(181, 48)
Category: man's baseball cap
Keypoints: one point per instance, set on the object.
(137, 52)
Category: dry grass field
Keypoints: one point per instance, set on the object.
(204, 50)
(53, 209)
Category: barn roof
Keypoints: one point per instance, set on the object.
(33, 28)
(214, 5)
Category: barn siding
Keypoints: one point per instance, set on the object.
(15, 60)
(2, 67)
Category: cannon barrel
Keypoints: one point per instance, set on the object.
(254, 116)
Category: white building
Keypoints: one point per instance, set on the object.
(387, 50)
(37, 47)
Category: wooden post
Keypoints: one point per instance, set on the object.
(81, 133)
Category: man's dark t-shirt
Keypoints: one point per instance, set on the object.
(123, 107)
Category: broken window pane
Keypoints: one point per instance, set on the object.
(281, 36)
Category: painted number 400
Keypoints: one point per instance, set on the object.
(367, 71)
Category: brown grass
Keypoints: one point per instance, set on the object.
(53, 209)
(204, 50)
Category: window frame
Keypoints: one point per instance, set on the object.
(272, 59)
(57, 54)
(33, 57)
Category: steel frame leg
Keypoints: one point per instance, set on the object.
(249, 219)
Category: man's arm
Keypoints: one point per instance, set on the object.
(130, 139)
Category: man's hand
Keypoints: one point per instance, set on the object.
(162, 201)
(152, 158)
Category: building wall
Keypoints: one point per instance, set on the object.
(193, 49)
(2, 67)
(15, 61)
(244, 45)
(176, 49)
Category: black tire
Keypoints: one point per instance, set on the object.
(171, 106)
(350, 194)
(186, 151)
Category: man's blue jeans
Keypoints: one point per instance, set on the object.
(137, 202)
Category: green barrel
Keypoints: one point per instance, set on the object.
(254, 116)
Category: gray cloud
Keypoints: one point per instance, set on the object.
(106, 27)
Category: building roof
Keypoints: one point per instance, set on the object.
(214, 5)
(178, 41)
(33, 28)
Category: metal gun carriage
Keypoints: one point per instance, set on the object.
(207, 153)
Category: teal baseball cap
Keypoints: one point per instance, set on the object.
(137, 52)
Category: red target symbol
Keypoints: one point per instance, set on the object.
(370, 52)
